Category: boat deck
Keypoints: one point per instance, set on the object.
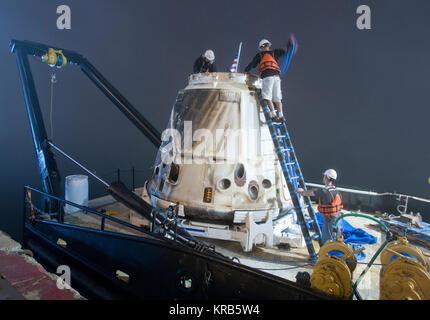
(280, 261)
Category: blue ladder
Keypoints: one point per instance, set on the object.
(293, 176)
(296, 174)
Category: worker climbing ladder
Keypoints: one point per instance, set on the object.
(293, 175)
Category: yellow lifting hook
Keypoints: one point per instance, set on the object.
(55, 58)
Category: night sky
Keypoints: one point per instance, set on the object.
(355, 100)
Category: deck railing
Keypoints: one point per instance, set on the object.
(32, 212)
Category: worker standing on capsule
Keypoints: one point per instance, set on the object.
(205, 63)
(269, 70)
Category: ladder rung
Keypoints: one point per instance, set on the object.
(280, 136)
(304, 207)
(294, 178)
(290, 163)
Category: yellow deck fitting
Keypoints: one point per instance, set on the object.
(404, 278)
(110, 213)
(402, 246)
(339, 245)
(332, 274)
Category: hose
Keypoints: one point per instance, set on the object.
(378, 252)
(362, 216)
(354, 287)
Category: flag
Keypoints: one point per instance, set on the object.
(235, 66)
(291, 50)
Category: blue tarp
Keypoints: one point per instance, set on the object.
(354, 236)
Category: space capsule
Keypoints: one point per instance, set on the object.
(217, 160)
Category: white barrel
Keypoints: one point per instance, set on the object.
(76, 192)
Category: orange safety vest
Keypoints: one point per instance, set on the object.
(267, 61)
(332, 208)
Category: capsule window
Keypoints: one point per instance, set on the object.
(240, 175)
(266, 184)
(253, 192)
(240, 171)
(224, 184)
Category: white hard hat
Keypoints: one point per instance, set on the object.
(209, 54)
(263, 42)
(331, 173)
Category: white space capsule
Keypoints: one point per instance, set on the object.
(217, 157)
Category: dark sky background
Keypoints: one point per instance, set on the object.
(355, 100)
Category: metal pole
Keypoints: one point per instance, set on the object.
(238, 56)
(77, 163)
(102, 225)
(133, 182)
(121, 103)
(47, 164)
(24, 211)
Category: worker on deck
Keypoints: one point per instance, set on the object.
(329, 204)
(267, 60)
(205, 63)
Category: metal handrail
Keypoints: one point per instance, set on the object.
(371, 193)
(89, 210)
(192, 242)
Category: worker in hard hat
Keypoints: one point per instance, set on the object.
(205, 63)
(267, 60)
(329, 204)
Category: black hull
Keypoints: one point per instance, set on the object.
(384, 203)
(155, 268)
